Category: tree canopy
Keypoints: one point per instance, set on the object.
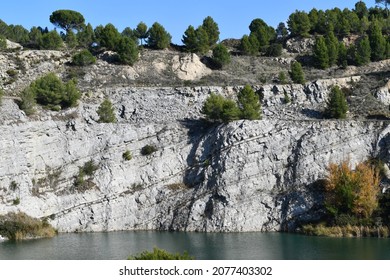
(158, 38)
(67, 19)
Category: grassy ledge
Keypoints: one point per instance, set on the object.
(346, 231)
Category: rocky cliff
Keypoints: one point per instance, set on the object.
(243, 176)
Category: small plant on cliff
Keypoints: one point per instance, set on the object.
(296, 73)
(127, 155)
(106, 112)
(28, 102)
(221, 56)
(337, 106)
(159, 254)
(148, 150)
(83, 58)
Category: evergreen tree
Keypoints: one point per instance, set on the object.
(299, 24)
(281, 31)
(129, 33)
(212, 30)
(264, 33)
(363, 52)
(127, 51)
(202, 40)
(221, 55)
(35, 37)
(218, 108)
(158, 38)
(108, 36)
(337, 106)
(320, 52)
(190, 40)
(296, 73)
(332, 45)
(83, 58)
(86, 36)
(67, 19)
(250, 45)
(106, 112)
(342, 59)
(377, 42)
(3, 42)
(249, 105)
(313, 17)
(361, 9)
(141, 32)
(71, 39)
(51, 41)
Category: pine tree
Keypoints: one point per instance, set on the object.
(106, 112)
(321, 54)
(86, 36)
(299, 24)
(333, 47)
(337, 106)
(296, 73)
(363, 51)
(141, 32)
(221, 55)
(71, 39)
(202, 40)
(248, 102)
(190, 40)
(127, 51)
(159, 38)
(377, 42)
(212, 30)
(342, 55)
(250, 45)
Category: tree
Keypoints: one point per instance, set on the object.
(127, 50)
(385, 3)
(202, 40)
(296, 73)
(352, 192)
(320, 53)
(218, 108)
(361, 9)
(248, 103)
(71, 39)
(363, 51)
(141, 32)
(106, 112)
(342, 59)
(212, 30)
(51, 41)
(190, 39)
(299, 24)
(264, 33)
(221, 55)
(281, 31)
(337, 106)
(332, 45)
(86, 36)
(159, 38)
(250, 45)
(108, 36)
(274, 50)
(35, 36)
(67, 19)
(3, 42)
(377, 42)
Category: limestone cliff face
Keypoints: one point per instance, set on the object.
(243, 176)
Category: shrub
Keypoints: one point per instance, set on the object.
(106, 112)
(51, 41)
(282, 78)
(50, 91)
(16, 201)
(3, 42)
(274, 50)
(352, 192)
(249, 105)
(148, 150)
(218, 108)
(28, 102)
(83, 58)
(17, 226)
(337, 106)
(296, 73)
(127, 50)
(159, 254)
(88, 169)
(221, 56)
(127, 155)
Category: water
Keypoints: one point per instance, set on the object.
(231, 246)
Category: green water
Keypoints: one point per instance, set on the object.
(216, 246)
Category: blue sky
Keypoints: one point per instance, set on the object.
(233, 17)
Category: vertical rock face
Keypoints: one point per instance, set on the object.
(243, 176)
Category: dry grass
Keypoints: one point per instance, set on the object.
(346, 231)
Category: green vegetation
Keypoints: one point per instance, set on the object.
(158, 38)
(220, 109)
(82, 184)
(67, 19)
(3, 42)
(221, 56)
(51, 92)
(337, 106)
(28, 101)
(127, 51)
(19, 226)
(106, 112)
(148, 150)
(160, 254)
(83, 58)
(296, 73)
(299, 24)
(141, 32)
(51, 41)
(127, 155)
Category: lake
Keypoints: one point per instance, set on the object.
(203, 246)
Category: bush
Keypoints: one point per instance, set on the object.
(249, 105)
(83, 58)
(50, 91)
(28, 102)
(221, 56)
(352, 192)
(218, 108)
(88, 169)
(17, 226)
(127, 50)
(51, 41)
(3, 42)
(274, 50)
(159, 254)
(106, 112)
(127, 155)
(148, 150)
